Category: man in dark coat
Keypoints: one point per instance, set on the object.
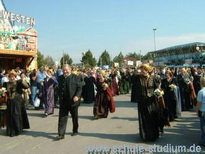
(70, 90)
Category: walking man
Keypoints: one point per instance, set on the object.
(70, 90)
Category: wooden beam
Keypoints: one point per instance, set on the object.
(17, 52)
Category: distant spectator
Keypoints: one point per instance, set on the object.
(33, 81)
(40, 79)
(48, 93)
(200, 110)
(2, 74)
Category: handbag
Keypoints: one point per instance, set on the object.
(36, 102)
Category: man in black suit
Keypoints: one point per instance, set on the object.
(70, 90)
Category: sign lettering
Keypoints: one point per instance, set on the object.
(17, 17)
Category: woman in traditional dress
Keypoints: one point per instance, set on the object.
(3, 106)
(17, 119)
(184, 83)
(88, 88)
(48, 93)
(104, 101)
(114, 83)
(124, 83)
(26, 91)
(148, 109)
(169, 85)
(134, 86)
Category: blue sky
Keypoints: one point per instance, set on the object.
(76, 26)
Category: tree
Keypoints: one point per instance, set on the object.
(118, 59)
(147, 57)
(88, 60)
(49, 61)
(134, 55)
(66, 59)
(104, 59)
(40, 59)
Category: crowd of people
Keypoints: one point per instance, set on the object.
(161, 95)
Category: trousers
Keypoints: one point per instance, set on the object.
(63, 118)
(202, 126)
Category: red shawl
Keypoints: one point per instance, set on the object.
(112, 103)
(193, 93)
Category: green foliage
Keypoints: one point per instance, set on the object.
(88, 60)
(118, 59)
(134, 55)
(105, 59)
(49, 61)
(66, 59)
(40, 59)
(147, 57)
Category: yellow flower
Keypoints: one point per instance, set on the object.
(158, 93)
(2, 91)
(173, 87)
(105, 86)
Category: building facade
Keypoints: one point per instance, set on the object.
(190, 54)
(18, 43)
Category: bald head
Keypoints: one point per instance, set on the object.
(66, 70)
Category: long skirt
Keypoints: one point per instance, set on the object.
(148, 113)
(17, 118)
(101, 105)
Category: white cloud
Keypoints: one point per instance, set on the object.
(147, 45)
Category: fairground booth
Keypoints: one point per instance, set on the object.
(18, 40)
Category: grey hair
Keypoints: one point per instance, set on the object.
(66, 65)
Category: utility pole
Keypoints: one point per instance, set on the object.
(154, 29)
(154, 39)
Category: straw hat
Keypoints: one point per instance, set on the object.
(12, 72)
(50, 70)
(103, 73)
(147, 67)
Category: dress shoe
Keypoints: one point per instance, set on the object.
(74, 134)
(96, 117)
(60, 137)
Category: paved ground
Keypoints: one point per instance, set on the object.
(116, 134)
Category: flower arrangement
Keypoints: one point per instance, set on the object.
(2, 91)
(187, 81)
(172, 87)
(158, 93)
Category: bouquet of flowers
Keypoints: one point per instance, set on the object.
(158, 93)
(172, 87)
(2, 91)
(105, 86)
(187, 81)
